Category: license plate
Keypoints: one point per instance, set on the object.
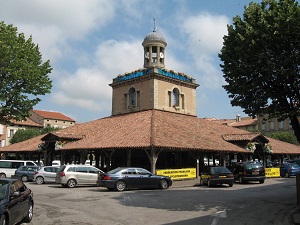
(222, 176)
(255, 173)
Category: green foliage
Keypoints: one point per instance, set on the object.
(261, 58)
(48, 129)
(22, 135)
(25, 134)
(284, 136)
(23, 75)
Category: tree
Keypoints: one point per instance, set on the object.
(25, 134)
(261, 61)
(284, 136)
(23, 75)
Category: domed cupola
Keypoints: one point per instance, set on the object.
(154, 49)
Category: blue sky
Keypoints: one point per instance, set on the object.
(90, 42)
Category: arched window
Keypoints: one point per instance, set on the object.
(132, 97)
(175, 97)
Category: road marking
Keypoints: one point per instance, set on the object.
(217, 216)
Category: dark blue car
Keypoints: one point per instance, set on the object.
(289, 169)
(16, 202)
(123, 178)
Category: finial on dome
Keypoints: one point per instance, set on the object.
(154, 27)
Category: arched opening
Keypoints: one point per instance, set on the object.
(132, 97)
(175, 97)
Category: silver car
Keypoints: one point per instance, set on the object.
(46, 174)
(72, 175)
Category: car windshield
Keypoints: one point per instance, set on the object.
(219, 170)
(293, 165)
(254, 165)
(3, 188)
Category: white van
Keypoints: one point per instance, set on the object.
(56, 163)
(8, 167)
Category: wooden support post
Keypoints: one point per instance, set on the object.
(128, 163)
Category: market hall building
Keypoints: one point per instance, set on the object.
(153, 125)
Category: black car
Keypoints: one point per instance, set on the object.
(123, 178)
(248, 171)
(216, 175)
(16, 202)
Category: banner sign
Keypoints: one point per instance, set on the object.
(272, 172)
(178, 174)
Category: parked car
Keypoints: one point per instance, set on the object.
(88, 162)
(26, 173)
(56, 163)
(297, 161)
(45, 174)
(8, 167)
(289, 169)
(72, 175)
(248, 171)
(123, 178)
(16, 202)
(216, 175)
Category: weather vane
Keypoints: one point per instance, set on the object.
(154, 27)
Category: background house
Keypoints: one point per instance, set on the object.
(52, 119)
(38, 119)
(9, 129)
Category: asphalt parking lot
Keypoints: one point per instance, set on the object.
(184, 203)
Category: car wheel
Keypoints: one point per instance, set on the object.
(39, 180)
(71, 183)
(120, 185)
(24, 178)
(262, 181)
(3, 220)
(201, 182)
(2, 175)
(163, 184)
(29, 215)
(230, 184)
(241, 180)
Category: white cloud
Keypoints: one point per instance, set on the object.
(53, 23)
(204, 41)
(115, 57)
(89, 88)
(206, 31)
(85, 89)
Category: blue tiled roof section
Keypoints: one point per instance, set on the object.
(163, 72)
(174, 75)
(131, 75)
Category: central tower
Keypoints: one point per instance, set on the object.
(154, 86)
(154, 50)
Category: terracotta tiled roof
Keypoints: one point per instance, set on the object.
(154, 128)
(27, 122)
(242, 137)
(280, 147)
(233, 123)
(63, 135)
(53, 115)
(24, 146)
(243, 123)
